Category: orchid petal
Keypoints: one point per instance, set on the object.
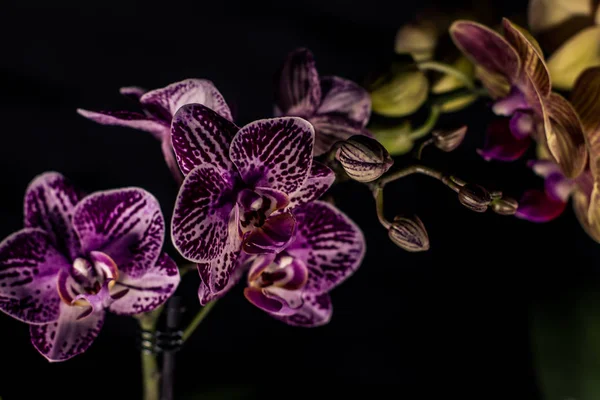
(273, 236)
(399, 93)
(511, 103)
(50, 200)
(29, 266)
(132, 92)
(417, 39)
(205, 295)
(581, 206)
(558, 187)
(146, 292)
(501, 144)
(202, 217)
(586, 99)
(126, 224)
(289, 300)
(190, 91)
(298, 87)
(199, 136)
(330, 129)
(331, 245)
(257, 297)
(497, 85)
(68, 336)
(538, 206)
(128, 119)
(275, 153)
(345, 98)
(546, 14)
(521, 125)
(316, 311)
(318, 182)
(544, 168)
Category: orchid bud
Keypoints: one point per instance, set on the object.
(409, 233)
(395, 139)
(364, 159)
(504, 206)
(449, 140)
(474, 197)
(400, 92)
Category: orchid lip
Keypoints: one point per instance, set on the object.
(284, 271)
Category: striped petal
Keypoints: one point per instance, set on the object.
(205, 295)
(319, 180)
(272, 237)
(50, 200)
(29, 266)
(126, 224)
(298, 89)
(586, 101)
(128, 119)
(345, 98)
(581, 206)
(316, 311)
(190, 91)
(329, 243)
(68, 336)
(538, 206)
(500, 144)
(202, 219)
(275, 153)
(201, 136)
(330, 129)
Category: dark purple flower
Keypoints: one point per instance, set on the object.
(240, 185)
(79, 255)
(294, 284)
(158, 107)
(337, 108)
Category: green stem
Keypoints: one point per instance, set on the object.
(448, 70)
(150, 370)
(421, 147)
(450, 181)
(378, 194)
(428, 125)
(197, 320)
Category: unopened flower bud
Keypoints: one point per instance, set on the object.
(449, 140)
(409, 233)
(474, 197)
(504, 206)
(364, 159)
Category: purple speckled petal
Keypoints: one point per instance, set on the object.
(329, 243)
(521, 125)
(319, 180)
(501, 144)
(330, 129)
(167, 149)
(168, 100)
(126, 224)
(68, 336)
(315, 311)
(202, 218)
(273, 236)
(298, 91)
(93, 303)
(132, 92)
(29, 266)
(199, 136)
(345, 98)
(274, 153)
(538, 206)
(145, 293)
(204, 293)
(128, 119)
(49, 203)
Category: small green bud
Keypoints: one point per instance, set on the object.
(449, 140)
(364, 159)
(504, 206)
(409, 233)
(474, 197)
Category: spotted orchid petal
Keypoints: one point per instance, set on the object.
(126, 224)
(273, 236)
(316, 311)
(202, 219)
(49, 203)
(486, 48)
(546, 14)
(68, 336)
(330, 129)
(29, 265)
(500, 144)
(330, 244)
(201, 136)
(205, 295)
(317, 183)
(345, 98)
(166, 101)
(274, 153)
(298, 88)
(128, 119)
(539, 206)
(144, 293)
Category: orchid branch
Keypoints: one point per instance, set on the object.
(428, 125)
(150, 371)
(197, 320)
(448, 70)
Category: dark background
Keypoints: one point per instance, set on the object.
(454, 322)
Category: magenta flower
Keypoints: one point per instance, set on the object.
(158, 107)
(336, 107)
(294, 284)
(240, 187)
(79, 255)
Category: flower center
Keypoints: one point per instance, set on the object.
(256, 206)
(284, 271)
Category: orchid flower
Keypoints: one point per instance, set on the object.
(158, 107)
(293, 285)
(240, 187)
(512, 69)
(336, 107)
(79, 255)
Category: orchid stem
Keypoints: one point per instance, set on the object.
(150, 371)
(197, 320)
(428, 125)
(453, 183)
(421, 147)
(378, 194)
(448, 70)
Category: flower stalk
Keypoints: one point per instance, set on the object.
(150, 370)
(447, 70)
(197, 320)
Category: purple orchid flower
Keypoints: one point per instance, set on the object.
(294, 284)
(79, 255)
(158, 107)
(512, 69)
(240, 187)
(336, 107)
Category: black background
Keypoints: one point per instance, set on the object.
(452, 322)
